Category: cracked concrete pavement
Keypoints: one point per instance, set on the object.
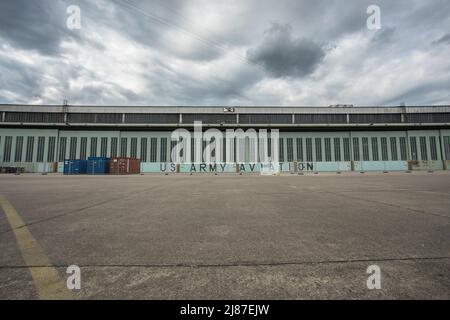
(234, 237)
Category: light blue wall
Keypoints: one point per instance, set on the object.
(423, 152)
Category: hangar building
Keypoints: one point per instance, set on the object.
(335, 138)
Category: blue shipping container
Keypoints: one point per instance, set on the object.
(98, 165)
(75, 166)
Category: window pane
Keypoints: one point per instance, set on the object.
(394, 154)
(7, 149)
(73, 148)
(144, 149)
(375, 155)
(433, 148)
(403, 151)
(384, 149)
(290, 149)
(213, 146)
(114, 142)
(103, 147)
(375, 118)
(123, 147)
(40, 149)
(261, 118)
(83, 148)
(30, 149)
(318, 149)
(224, 149)
(328, 149)
(19, 148)
(51, 149)
(346, 149)
(320, 118)
(152, 118)
(337, 149)
(309, 156)
(447, 147)
(299, 149)
(365, 145)
(133, 151)
(423, 148)
(356, 149)
(153, 149)
(93, 152)
(172, 146)
(163, 150)
(281, 150)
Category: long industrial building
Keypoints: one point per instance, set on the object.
(335, 138)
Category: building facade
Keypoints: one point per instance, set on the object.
(329, 138)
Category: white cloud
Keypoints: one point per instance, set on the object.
(197, 54)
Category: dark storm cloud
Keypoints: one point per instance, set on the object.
(186, 87)
(34, 25)
(284, 56)
(443, 40)
(427, 14)
(432, 92)
(148, 22)
(104, 93)
(19, 78)
(178, 52)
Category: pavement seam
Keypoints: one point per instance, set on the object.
(390, 205)
(234, 264)
(79, 210)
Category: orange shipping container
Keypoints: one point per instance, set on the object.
(124, 166)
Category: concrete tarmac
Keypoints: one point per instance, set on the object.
(233, 237)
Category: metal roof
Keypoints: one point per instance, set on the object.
(220, 109)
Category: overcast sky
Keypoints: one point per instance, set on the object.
(225, 52)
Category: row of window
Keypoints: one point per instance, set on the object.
(30, 117)
(290, 149)
(362, 149)
(111, 148)
(217, 118)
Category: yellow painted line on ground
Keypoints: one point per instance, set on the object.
(46, 278)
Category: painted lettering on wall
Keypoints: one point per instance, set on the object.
(234, 167)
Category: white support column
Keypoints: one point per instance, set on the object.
(442, 144)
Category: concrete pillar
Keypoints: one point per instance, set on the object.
(352, 160)
(408, 146)
(442, 147)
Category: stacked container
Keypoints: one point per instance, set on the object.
(75, 166)
(124, 166)
(98, 165)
